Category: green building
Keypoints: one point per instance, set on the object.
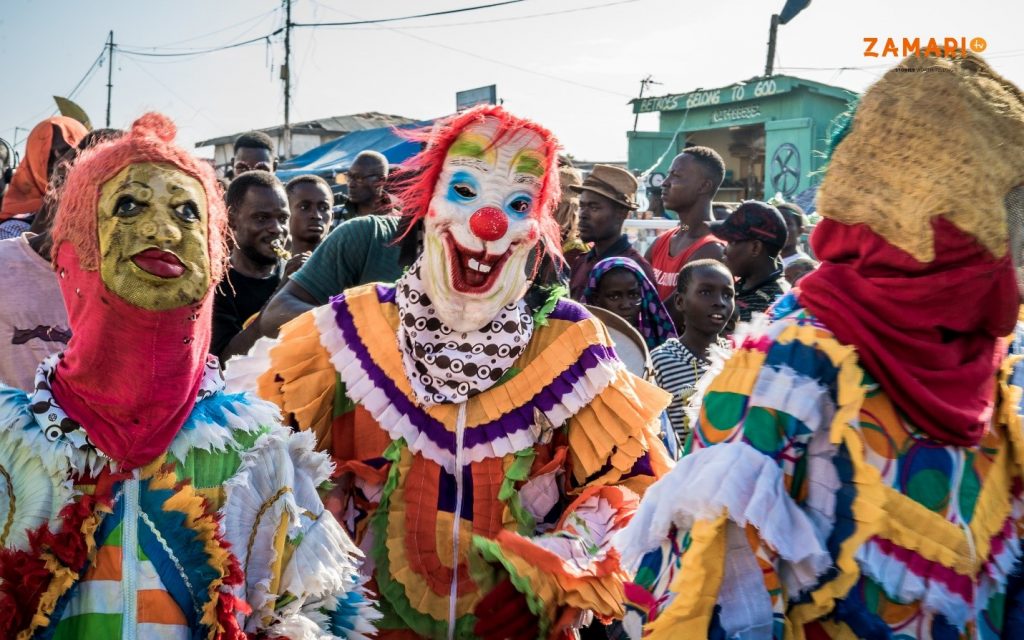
(770, 131)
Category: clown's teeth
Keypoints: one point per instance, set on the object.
(476, 265)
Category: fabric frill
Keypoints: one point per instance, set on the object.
(298, 562)
(574, 376)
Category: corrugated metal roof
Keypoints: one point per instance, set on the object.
(335, 124)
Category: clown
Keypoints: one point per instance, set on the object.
(113, 470)
(487, 439)
(857, 467)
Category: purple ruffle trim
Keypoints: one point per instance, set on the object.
(512, 422)
(570, 311)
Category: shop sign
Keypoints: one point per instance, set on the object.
(736, 113)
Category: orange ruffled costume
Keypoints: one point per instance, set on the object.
(530, 477)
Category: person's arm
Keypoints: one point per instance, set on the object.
(290, 301)
(712, 250)
(334, 266)
(242, 341)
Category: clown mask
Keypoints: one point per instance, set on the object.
(482, 224)
(153, 237)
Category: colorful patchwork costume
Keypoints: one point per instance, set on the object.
(857, 466)
(487, 443)
(137, 498)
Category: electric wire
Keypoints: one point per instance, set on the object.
(507, 19)
(411, 17)
(199, 52)
(171, 45)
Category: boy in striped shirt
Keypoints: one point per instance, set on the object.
(705, 298)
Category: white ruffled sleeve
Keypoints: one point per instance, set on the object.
(301, 569)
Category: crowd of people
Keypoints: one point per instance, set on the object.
(232, 408)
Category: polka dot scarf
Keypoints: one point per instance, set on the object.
(447, 366)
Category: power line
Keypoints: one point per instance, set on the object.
(508, 19)
(92, 69)
(412, 17)
(198, 52)
(478, 56)
(176, 95)
(170, 45)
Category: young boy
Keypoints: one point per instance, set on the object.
(704, 297)
(756, 233)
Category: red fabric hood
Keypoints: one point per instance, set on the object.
(930, 333)
(129, 376)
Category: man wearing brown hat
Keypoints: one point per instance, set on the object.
(606, 197)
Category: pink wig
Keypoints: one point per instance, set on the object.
(424, 168)
(149, 140)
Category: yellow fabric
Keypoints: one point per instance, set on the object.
(280, 537)
(696, 584)
(301, 379)
(614, 428)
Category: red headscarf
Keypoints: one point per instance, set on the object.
(930, 333)
(129, 375)
(28, 186)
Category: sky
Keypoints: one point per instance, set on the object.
(573, 70)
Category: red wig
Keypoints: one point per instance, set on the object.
(424, 169)
(149, 140)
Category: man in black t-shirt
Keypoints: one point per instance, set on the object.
(258, 216)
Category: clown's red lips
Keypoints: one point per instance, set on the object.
(162, 264)
(473, 272)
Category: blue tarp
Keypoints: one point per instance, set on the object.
(336, 156)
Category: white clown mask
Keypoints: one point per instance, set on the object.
(483, 224)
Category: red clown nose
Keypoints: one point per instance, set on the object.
(488, 224)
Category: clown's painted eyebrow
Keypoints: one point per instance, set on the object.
(529, 162)
(473, 150)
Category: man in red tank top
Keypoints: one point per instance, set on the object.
(689, 188)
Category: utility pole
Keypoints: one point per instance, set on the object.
(643, 85)
(110, 72)
(770, 64)
(286, 139)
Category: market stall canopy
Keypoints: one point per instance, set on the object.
(337, 156)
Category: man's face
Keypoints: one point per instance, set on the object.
(152, 226)
(740, 256)
(684, 184)
(482, 224)
(260, 223)
(365, 181)
(600, 217)
(793, 228)
(253, 159)
(310, 204)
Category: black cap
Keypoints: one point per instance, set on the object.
(753, 220)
